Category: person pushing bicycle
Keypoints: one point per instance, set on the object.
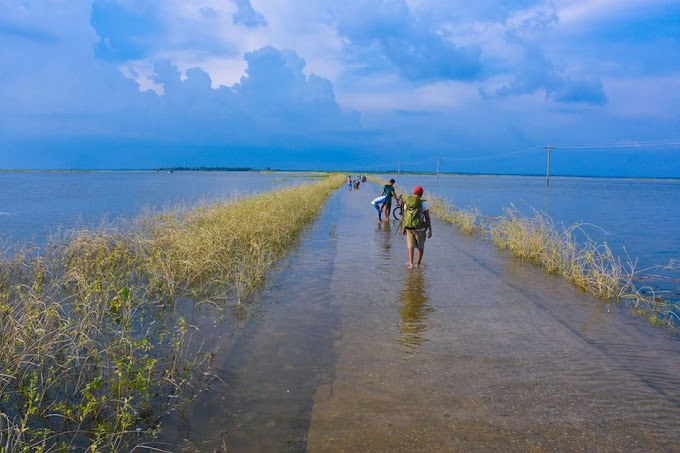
(389, 191)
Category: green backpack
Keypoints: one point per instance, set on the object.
(413, 213)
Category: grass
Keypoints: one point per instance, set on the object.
(555, 248)
(90, 344)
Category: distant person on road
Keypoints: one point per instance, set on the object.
(378, 204)
(389, 192)
(349, 182)
(416, 221)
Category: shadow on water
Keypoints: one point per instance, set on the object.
(351, 351)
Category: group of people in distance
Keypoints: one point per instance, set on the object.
(354, 184)
(415, 222)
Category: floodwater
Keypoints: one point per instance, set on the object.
(36, 204)
(349, 350)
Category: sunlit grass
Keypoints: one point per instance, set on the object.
(467, 220)
(589, 265)
(90, 348)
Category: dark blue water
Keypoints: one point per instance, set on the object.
(34, 205)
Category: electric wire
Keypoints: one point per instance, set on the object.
(671, 144)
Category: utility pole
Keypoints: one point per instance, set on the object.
(547, 172)
(438, 159)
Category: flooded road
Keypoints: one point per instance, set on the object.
(473, 352)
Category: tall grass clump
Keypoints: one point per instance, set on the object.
(91, 351)
(591, 266)
(466, 220)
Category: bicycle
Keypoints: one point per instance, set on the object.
(398, 211)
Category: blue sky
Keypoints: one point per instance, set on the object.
(352, 85)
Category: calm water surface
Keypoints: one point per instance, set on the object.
(35, 204)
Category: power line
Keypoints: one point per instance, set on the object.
(494, 156)
(671, 144)
(657, 144)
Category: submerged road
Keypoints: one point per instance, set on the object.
(474, 352)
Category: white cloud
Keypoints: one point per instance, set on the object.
(52, 81)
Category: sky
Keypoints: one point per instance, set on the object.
(361, 85)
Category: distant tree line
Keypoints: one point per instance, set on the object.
(205, 169)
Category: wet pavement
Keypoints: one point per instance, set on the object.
(350, 350)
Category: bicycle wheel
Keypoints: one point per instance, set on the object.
(397, 212)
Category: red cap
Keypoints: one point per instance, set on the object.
(417, 190)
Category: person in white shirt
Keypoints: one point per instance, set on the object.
(378, 204)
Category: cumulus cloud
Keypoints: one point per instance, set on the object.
(536, 73)
(287, 73)
(134, 41)
(134, 31)
(273, 99)
(388, 31)
(246, 15)
(530, 70)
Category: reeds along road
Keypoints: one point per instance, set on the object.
(476, 351)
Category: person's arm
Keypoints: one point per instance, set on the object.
(429, 223)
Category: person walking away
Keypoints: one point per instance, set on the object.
(378, 203)
(416, 221)
(349, 182)
(390, 192)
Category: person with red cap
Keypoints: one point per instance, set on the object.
(416, 221)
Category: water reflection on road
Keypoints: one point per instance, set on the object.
(474, 352)
(414, 310)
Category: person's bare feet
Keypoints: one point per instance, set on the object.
(410, 266)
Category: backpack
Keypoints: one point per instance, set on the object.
(413, 213)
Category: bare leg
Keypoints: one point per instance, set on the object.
(410, 257)
(420, 255)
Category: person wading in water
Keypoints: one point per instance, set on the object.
(390, 192)
(416, 222)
